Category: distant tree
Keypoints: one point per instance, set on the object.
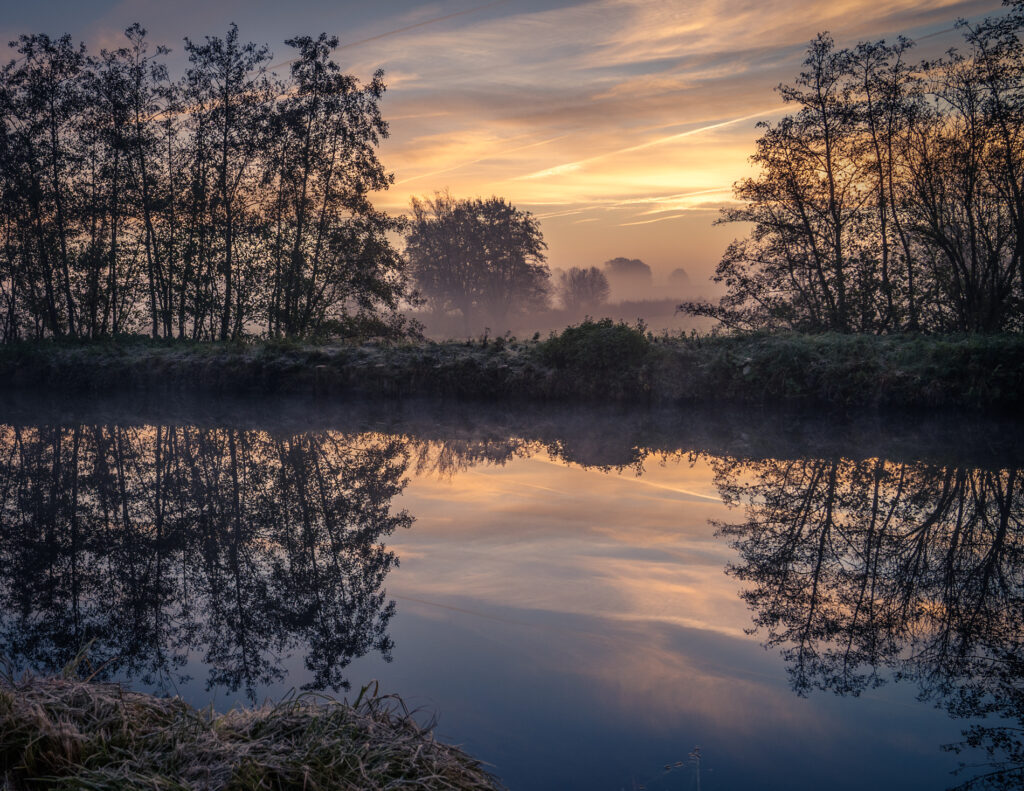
(678, 278)
(476, 256)
(630, 278)
(628, 267)
(581, 290)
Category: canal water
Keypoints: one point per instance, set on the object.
(583, 598)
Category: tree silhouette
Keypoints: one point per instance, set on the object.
(227, 203)
(678, 278)
(891, 199)
(629, 277)
(476, 256)
(330, 243)
(583, 290)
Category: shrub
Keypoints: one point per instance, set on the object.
(597, 346)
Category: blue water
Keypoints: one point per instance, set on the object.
(563, 604)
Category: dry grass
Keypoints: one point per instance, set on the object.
(66, 733)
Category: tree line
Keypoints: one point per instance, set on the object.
(234, 202)
(228, 202)
(892, 197)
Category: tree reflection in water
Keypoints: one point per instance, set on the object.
(154, 543)
(234, 547)
(860, 570)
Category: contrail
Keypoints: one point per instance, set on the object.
(423, 24)
(658, 219)
(936, 33)
(571, 166)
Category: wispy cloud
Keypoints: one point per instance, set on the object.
(416, 25)
(648, 222)
(493, 155)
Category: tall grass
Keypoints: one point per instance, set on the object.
(69, 733)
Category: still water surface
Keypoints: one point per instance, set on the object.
(585, 598)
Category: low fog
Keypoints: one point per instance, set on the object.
(622, 289)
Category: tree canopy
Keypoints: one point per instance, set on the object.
(582, 289)
(679, 278)
(229, 202)
(629, 278)
(476, 256)
(892, 198)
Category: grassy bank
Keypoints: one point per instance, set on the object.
(593, 361)
(66, 733)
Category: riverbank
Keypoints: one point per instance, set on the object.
(597, 361)
(61, 732)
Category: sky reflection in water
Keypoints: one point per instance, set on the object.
(561, 601)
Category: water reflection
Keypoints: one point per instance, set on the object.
(864, 569)
(155, 543)
(236, 545)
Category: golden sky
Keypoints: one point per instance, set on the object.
(622, 124)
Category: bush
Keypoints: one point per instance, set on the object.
(597, 347)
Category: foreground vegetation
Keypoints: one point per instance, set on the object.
(600, 361)
(68, 733)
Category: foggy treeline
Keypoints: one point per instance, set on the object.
(480, 264)
(227, 202)
(892, 198)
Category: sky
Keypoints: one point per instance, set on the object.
(621, 124)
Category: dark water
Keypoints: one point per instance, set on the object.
(585, 598)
